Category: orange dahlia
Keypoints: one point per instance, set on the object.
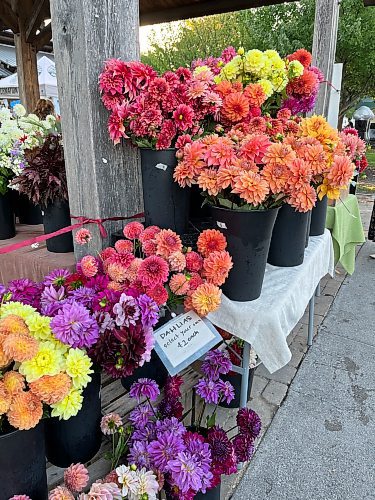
(4, 358)
(279, 154)
(184, 174)
(315, 156)
(303, 199)
(12, 324)
(300, 174)
(177, 261)
(341, 171)
(167, 242)
(301, 55)
(20, 347)
(206, 298)
(255, 95)
(51, 389)
(235, 107)
(14, 382)
(276, 176)
(207, 181)
(216, 267)
(224, 88)
(116, 271)
(211, 240)
(251, 187)
(5, 398)
(226, 175)
(179, 284)
(25, 411)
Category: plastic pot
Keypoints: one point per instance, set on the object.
(7, 225)
(236, 380)
(28, 213)
(353, 189)
(79, 438)
(165, 204)
(56, 215)
(288, 240)
(213, 494)
(248, 234)
(23, 464)
(318, 217)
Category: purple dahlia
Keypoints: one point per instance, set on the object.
(74, 326)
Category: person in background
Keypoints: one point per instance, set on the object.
(371, 231)
(44, 107)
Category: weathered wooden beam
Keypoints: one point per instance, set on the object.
(150, 13)
(27, 69)
(103, 179)
(40, 7)
(324, 47)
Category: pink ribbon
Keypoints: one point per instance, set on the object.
(82, 221)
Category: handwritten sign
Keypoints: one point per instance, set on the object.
(183, 340)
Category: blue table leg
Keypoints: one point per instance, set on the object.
(245, 374)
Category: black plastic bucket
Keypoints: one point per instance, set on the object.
(7, 225)
(288, 241)
(166, 204)
(248, 234)
(28, 213)
(213, 494)
(318, 217)
(56, 216)
(353, 188)
(23, 464)
(79, 438)
(236, 380)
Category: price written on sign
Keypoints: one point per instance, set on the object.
(183, 340)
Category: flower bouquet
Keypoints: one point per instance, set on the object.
(40, 377)
(356, 149)
(190, 459)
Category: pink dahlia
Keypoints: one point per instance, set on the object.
(89, 266)
(179, 284)
(60, 493)
(102, 491)
(83, 236)
(76, 477)
(20, 497)
(158, 293)
(110, 423)
(149, 233)
(183, 117)
(177, 261)
(168, 242)
(153, 271)
(194, 261)
(133, 230)
(124, 246)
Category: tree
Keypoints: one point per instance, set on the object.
(285, 28)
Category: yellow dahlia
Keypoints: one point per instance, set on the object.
(52, 389)
(39, 326)
(48, 361)
(25, 411)
(5, 398)
(69, 406)
(20, 347)
(78, 367)
(206, 298)
(18, 309)
(14, 383)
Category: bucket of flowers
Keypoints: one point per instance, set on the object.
(41, 378)
(152, 111)
(186, 460)
(153, 262)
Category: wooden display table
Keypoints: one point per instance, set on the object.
(28, 262)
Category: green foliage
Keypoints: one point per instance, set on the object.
(284, 28)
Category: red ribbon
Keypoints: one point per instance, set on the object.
(82, 221)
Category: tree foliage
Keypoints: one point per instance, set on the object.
(285, 28)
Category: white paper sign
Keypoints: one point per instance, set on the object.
(161, 166)
(183, 340)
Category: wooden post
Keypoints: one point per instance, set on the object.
(324, 47)
(27, 69)
(103, 179)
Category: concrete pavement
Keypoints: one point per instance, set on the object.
(321, 443)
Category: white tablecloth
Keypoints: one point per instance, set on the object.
(266, 322)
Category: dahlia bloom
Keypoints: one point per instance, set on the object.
(74, 326)
(165, 448)
(69, 406)
(110, 423)
(153, 271)
(216, 267)
(341, 171)
(76, 477)
(167, 243)
(133, 230)
(51, 388)
(209, 241)
(102, 491)
(89, 266)
(83, 236)
(252, 187)
(144, 388)
(206, 298)
(25, 411)
(216, 362)
(60, 493)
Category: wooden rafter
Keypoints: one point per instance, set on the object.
(8, 16)
(39, 13)
(43, 38)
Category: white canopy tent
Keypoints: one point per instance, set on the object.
(46, 77)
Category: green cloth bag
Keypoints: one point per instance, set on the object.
(344, 222)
